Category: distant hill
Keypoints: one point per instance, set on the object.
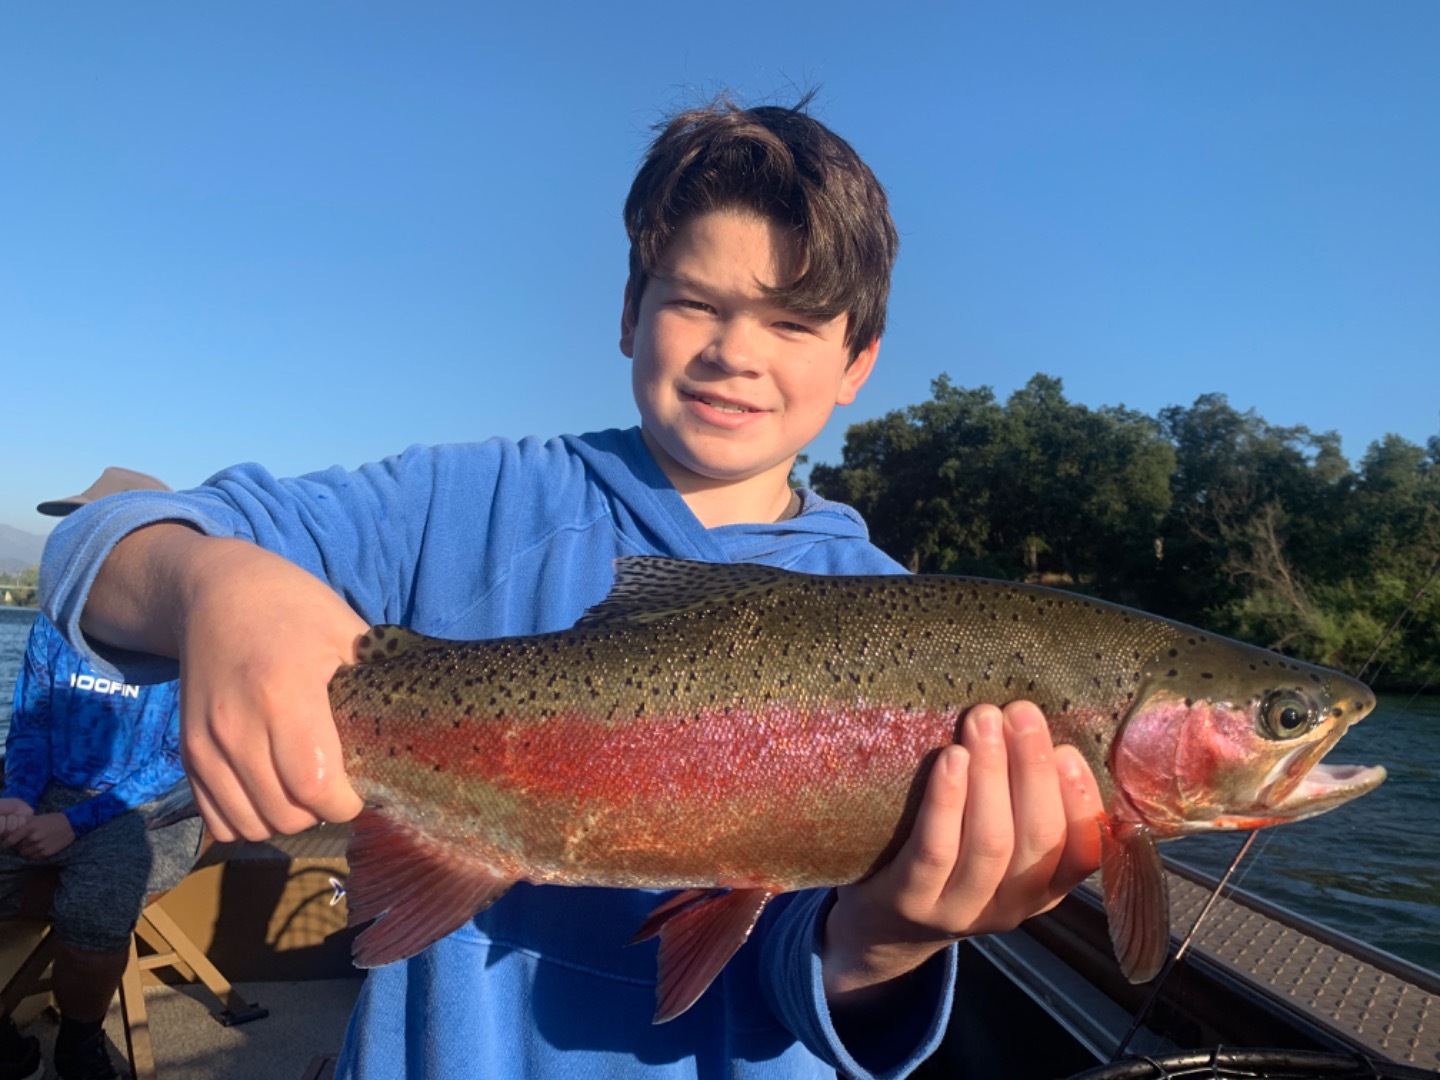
(18, 550)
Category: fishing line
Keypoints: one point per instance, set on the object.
(1159, 982)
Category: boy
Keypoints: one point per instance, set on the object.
(761, 249)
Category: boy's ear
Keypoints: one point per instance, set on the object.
(857, 372)
(627, 326)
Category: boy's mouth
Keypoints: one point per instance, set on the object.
(719, 404)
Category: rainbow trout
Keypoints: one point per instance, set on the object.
(738, 731)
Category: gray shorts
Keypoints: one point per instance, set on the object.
(105, 876)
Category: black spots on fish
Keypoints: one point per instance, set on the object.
(1171, 673)
(1030, 687)
(1065, 705)
(1337, 712)
(1020, 658)
(1099, 738)
(1095, 679)
(1173, 653)
(455, 723)
(1119, 681)
(1192, 641)
(1315, 678)
(1008, 680)
(1189, 703)
(1115, 716)
(394, 751)
(437, 767)
(1207, 675)
(1098, 656)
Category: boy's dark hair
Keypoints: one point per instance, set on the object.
(787, 167)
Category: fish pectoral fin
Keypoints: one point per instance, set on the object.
(417, 891)
(699, 931)
(1137, 902)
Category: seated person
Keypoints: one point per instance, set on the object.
(83, 752)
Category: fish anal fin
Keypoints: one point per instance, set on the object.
(385, 641)
(416, 890)
(699, 931)
(1137, 901)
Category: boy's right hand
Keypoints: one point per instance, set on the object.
(257, 639)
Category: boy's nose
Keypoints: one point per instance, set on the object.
(734, 348)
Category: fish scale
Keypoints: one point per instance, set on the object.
(738, 731)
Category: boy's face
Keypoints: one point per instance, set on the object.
(729, 385)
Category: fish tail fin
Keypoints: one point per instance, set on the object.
(1137, 902)
(385, 641)
(415, 890)
(699, 930)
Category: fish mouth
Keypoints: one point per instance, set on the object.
(1325, 787)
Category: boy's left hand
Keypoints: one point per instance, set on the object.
(1008, 825)
(44, 835)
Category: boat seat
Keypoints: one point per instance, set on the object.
(166, 945)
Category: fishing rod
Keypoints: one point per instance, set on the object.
(1170, 964)
(1434, 572)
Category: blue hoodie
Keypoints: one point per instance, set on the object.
(500, 538)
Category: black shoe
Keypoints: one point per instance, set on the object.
(19, 1054)
(87, 1058)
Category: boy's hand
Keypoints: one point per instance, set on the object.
(14, 813)
(257, 639)
(1007, 827)
(44, 835)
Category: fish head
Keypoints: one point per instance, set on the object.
(1228, 736)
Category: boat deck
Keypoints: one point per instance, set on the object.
(297, 1041)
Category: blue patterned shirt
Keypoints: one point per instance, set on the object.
(80, 728)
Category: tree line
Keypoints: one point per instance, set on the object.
(1203, 513)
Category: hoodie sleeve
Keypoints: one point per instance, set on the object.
(359, 531)
(792, 977)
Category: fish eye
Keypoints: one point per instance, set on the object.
(1286, 714)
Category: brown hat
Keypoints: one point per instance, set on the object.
(111, 482)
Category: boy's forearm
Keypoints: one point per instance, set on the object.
(136, 601)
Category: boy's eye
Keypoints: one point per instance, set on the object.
(795, 327)
(693, 305)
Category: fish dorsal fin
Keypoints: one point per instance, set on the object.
(384, 642)
(649, 587)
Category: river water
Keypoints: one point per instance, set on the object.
(1370, 869)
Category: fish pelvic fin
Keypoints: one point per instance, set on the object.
(699, 930)
(415, 890)
(1137, 901)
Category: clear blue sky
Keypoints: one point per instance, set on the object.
(314, 233)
